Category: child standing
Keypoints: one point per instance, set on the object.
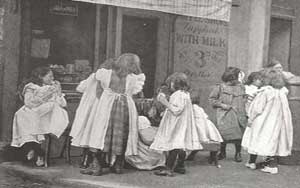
(228, 99)
(91, 92)
(271, 130)
(177, 131)
(111, 127)
(254, 82)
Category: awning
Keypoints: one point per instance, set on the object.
(211, 9)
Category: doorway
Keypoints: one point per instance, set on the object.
(139, 36)
(280, 41)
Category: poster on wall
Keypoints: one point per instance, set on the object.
(200, 51)
(40, 48)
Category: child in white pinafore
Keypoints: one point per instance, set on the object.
(177, 132)
(111, 126)
(271, 130)
(42, 113)
(254, 82)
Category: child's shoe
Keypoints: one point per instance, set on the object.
(271, 170)
(221, 156)
(165, 172)
(180, 170)
(238, 157)
(252, 166)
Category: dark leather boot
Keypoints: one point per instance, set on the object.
(179, 168)
(95, 168)
(86, 159)
(222, 154)
(238, 157)
(103, 159)
(118, 166)
(238, 148)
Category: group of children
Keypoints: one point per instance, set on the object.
(107, 124)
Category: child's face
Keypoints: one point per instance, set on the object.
(258, 82)
(278, 67)
(48, 78)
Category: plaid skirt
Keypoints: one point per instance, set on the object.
(118, 128)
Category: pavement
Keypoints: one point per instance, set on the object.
(199, 175)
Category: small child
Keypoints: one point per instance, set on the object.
(228, 99)
(209, 135)
(271, 130)
(254, 82)
(177, 131)
(42, 113)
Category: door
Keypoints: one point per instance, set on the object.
(280, 41)
(139, 36)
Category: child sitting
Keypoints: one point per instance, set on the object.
(147, 159)
(209, 135)
(42, 113)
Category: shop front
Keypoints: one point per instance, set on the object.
(76, 37)
(199, 38)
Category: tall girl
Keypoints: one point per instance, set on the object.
(177, 131)
(111, 127)
(271, 130)
(228, 98)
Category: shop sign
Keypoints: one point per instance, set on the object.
(64, 8)
(200, 51)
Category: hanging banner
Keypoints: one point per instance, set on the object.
(212, 9)
(200, 51)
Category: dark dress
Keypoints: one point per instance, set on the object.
(229, 102)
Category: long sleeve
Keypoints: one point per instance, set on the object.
(30, 99)
(135, 83)
(177, 103)
(257, 106)
(291, 79)
(61, 100)
(84, 84)
(214, 98)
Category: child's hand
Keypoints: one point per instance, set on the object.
(249, 123)
(160, 95)
(162, 99)
(226, 107)
(57, 86)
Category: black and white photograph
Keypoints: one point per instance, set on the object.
(149, 93)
